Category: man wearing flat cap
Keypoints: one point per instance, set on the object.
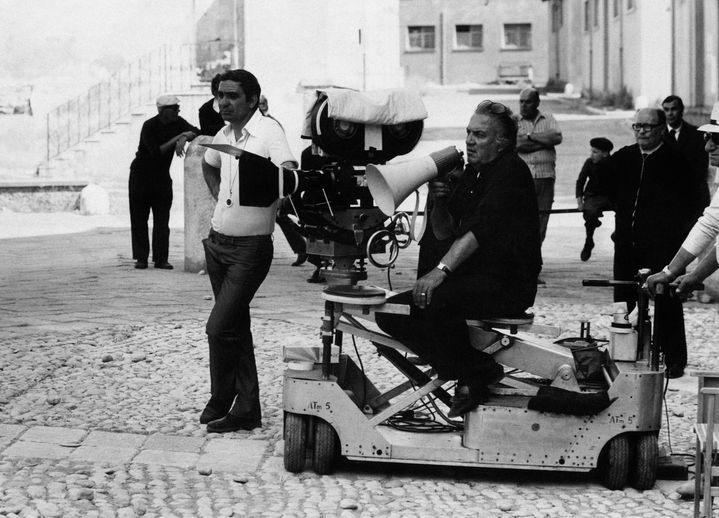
(150, 184)
(591, 191)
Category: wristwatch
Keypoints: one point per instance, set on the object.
(666, 271)
(443, 267)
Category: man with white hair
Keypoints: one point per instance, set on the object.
(655, 199)
(150, 185)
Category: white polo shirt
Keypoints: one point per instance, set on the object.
(262, 136)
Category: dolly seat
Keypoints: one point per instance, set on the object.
(513, 323)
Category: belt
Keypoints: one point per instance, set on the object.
(235, 240)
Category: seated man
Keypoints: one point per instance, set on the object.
(484, 233)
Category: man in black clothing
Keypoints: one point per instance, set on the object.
(687, 139)
(488, 266)
(591, 191)
(150, 185)
(656, 200)
(210, 119)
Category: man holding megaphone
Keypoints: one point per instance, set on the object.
(483, 239)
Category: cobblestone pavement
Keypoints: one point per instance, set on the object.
(104, 374)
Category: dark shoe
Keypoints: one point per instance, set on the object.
(470, 396)
(211, 414)
(587, 250)
(232, 423)
(140, 265)
(301, 258)
(164, 266)
(674, 371)
(316, 278)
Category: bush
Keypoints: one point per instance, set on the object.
(622, 99)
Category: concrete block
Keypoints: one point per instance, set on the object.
(174, 443)
(180, 459)
(94, 200)
(103, 454)
(114, 439)
(199, 205)
(37, 450)
(53, 435)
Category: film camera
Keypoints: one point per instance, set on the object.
(345, 197)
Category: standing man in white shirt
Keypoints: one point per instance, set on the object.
(538, 134)
(238, 252)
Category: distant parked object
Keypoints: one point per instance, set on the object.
(15, 100)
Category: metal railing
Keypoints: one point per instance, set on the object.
(169, 68)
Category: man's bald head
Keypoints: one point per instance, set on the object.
(529, 103)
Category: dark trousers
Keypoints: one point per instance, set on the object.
(439, 335)
(669, 332)
(289, 228)
(237, 266)
(144, 196)
(545, 198)
(594, 207)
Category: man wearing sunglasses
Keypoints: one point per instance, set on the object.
(656, 198)
(703, 236)
(485, 265)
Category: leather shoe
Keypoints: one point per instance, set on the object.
(232, 423)
(470, 396)
(164, 266)
(674, 371)
(316, 278)
(301, 258)
(211, 414)
(140, 265)
(587, 250)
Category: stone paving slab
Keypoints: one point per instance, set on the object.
(174, 443)
(179, 459)
(114, 440)
(10, 431)
(53, 435)
(41, 450)
(103, 454)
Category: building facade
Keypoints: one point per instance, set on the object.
(292, 44)
(458, 41)
(644, 48)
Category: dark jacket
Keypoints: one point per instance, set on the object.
(656, 205)
(210, 121)
(691, 146)
(592, 179)
(149, 162)
(499, 206)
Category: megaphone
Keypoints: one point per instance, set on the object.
(390, 184)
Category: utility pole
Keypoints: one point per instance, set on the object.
(236, 35)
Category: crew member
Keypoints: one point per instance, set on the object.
(655, 199)
(238, 252)
(150, 185)
(702, 237)
(487, 267)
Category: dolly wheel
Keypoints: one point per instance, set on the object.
(643, 474)
(614, 462)
(325, 448)
(295, 441)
